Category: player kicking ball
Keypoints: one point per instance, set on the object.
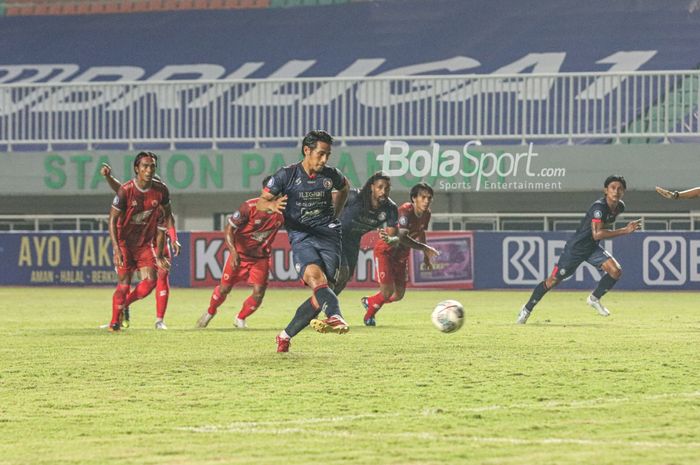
(583, 246)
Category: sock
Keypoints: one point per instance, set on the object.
(327, 300)
(248, 308)
(283, 335)
(375, 303)
(140, 291)
(162, 293)
(118, 300)
(604, 285)
(305, 313)
(537, 295)
(217, 298)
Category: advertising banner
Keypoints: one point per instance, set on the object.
(68, 259)
(453, 268)
(650, 260)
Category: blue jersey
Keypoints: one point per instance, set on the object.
(358, 218)
(599, 212)
(309, 198)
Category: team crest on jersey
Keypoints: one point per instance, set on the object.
(381, 216)
(597, 214)
(154, 203)
(327, 183)
(134, 203)
(403, 221)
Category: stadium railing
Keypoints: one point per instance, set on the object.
(629, 107)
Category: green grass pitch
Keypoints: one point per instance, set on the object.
(570, 387)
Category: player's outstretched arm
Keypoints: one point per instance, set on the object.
(600, 233)
(113, 182)
(270, 203)
(676, 195)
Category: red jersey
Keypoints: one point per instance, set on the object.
(254, 229)
(137, 226)
(416, 225)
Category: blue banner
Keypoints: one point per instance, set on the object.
(68, 259)
(650, 260)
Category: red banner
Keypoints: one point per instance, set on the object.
(453, 268)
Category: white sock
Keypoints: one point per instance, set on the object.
(284, 335)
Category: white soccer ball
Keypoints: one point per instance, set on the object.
(448, 316)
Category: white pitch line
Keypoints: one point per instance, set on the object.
(425, 435)
(433, 411)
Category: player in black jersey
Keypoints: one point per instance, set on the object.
(367, 209)
(597, 224)
(304, 192)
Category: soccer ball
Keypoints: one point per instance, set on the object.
(448, 316)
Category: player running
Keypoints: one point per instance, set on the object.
(304, 192)
(249, 233)
(132, 228)
(597, 224)
(163, 279)
(367, 209)
(391, 253)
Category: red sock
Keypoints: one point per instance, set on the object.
(217, 298)
(248, 308)
(374, 302)
(118, 300)
(162, 293)
(140, 291)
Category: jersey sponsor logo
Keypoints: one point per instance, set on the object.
(141, 218)
(260, 236)
(257, 221)
(664, 260)
(327, 183)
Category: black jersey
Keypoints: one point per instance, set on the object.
(358, 218)
(599, 212)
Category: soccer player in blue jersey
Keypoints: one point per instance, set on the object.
(303, 191)
(583, 247)
(367, 209)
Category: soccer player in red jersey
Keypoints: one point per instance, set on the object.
(249, 233)
(163, 280)
(133, 222)
(391, 253)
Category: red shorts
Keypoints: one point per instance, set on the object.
(390, 270)
(254, 270)
(135, 258)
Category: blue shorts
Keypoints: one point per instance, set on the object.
(310, 249)
(569, 261)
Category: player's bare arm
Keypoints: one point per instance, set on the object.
(161, 261)
(390, 235)
(676, 195)
(230, 237)
(340, 197)
(271, 203)
(170, 223)
(113, 182)
(600, 233)
(114, 216)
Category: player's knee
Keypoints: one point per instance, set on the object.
(225, 289)
(615, 273)
(149, 284)
(258, 294)
(398, 294)
(551, 282)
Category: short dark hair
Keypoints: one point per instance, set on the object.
(418, 187)
(314, 137)
(142, 155)
(366, 190)
(615, 177)
(264, 183)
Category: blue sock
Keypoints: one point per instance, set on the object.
(604, 285)
(327, 300)
(536, 296)
(305, 313)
